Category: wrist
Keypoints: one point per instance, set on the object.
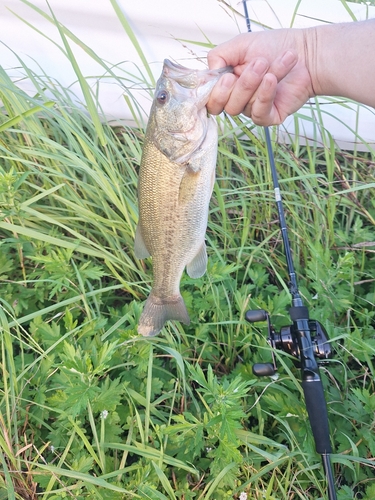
(310, 50)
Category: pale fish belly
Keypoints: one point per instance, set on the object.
(173, 205)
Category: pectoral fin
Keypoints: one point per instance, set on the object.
(198, 266)
(140, 249)
(188, 187)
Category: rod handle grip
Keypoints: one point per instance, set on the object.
(318, 415)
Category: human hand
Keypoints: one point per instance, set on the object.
(270, 81)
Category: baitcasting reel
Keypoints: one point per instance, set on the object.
(287, 341)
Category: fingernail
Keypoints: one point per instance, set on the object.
(266, 84)
(260, 66)
(288, 58)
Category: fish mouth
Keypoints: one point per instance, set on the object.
(192, 78)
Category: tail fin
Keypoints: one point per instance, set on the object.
(157, 311)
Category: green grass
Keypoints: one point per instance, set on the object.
(90, 410)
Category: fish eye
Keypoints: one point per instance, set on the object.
(162, 97)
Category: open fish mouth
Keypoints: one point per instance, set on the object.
(190, 78)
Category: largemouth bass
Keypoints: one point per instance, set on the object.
(176, 179)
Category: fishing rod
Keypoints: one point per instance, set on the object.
(305, 339)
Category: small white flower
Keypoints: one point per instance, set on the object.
(104, 414)
(243, 496)
(52, 448)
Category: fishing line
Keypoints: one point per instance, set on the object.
(305, 339)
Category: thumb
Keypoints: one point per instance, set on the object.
(215, 61)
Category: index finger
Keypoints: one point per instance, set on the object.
(230, 53)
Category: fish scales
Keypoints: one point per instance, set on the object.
(175, 185)
(175, 210)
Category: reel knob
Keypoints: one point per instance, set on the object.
(256, 315)
(263, 369)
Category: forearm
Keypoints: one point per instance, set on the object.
(341, 60)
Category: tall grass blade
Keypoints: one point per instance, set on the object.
(92, 107)
(128, 30)
(152, 454)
